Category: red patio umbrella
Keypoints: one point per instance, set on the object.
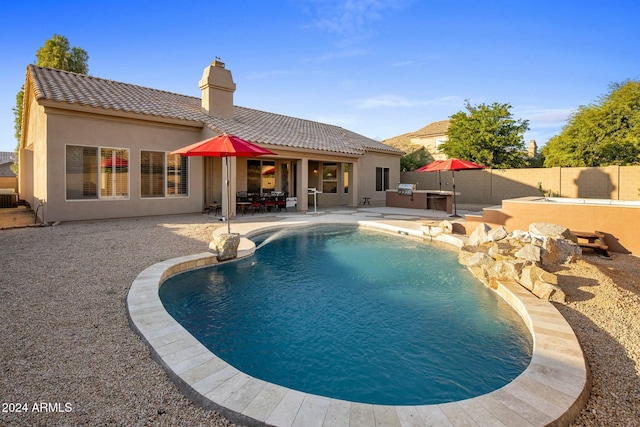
(427, 168)
(269, 171)
(226, 146)
(451, 165)
(119, 163)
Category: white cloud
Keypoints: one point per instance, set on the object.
(347, 17)
(551, 116)
(350, 19)
(544, 123)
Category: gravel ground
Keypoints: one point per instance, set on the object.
(604, 311)
(65, 335)
(66, 340)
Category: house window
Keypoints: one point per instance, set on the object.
(261, 176)
(382, 179)
(268, 176)
(114, 173)
(177, 175)
(439, 142)
(345, 178)
(96, 173)
(329, 178)
(163, 174)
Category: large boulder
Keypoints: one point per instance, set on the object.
(504, 270)
(497, 234)
(542, 284)
(480, 235)
(502, 250)
(480, 259)
(225, 245)
(520, 236)
(532, 274)
(466, 252)
(556, 251)
(554, 293)
(433, 229)
(529, 252)
(543, 230)
(447, 226)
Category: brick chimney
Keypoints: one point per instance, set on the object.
(217, 88)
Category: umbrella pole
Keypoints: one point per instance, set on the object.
(455, 204)
(226, 159)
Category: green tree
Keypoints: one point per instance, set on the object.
(603, 133)
(56, 53)
(487, 134)
(412, 161)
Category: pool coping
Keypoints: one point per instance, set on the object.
(551, 391)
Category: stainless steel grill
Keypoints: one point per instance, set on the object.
(406, 189)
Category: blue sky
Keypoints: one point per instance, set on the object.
(379, 68)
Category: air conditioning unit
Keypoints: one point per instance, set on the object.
(8, 200)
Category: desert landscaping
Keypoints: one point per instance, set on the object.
(66, 337)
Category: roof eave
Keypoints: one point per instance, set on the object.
(88, 109)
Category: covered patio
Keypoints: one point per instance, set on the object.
(335, 178)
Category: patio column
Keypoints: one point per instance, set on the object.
(302, 178)
(354, 197)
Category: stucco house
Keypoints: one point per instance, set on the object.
(6, 161)
(428, 138)
(94, 148)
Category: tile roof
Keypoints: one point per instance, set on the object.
(253, 125)
(7, 157)
(403, 142)
(432, 129)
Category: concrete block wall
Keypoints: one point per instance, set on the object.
(492, 186)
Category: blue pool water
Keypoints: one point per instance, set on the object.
(356, 315)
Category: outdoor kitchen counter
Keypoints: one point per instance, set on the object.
(421, 199)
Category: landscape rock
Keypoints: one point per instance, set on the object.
(434, 229)
(503, 270)
(480, 235)
(532, 274)
(493, 255)
(226, 246)
(543, 230)
(466, 252)
(447, 226)
(556, 251)
(480, 259)
(544, 290)
(520, 235)
(497, 234)
(529, 252)
(502, 251)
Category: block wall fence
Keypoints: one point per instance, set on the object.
(9, 182)
(492, 186)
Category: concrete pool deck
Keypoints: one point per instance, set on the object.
(551, 391)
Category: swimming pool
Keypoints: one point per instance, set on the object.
(355, 315)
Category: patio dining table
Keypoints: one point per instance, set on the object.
(242, 207)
